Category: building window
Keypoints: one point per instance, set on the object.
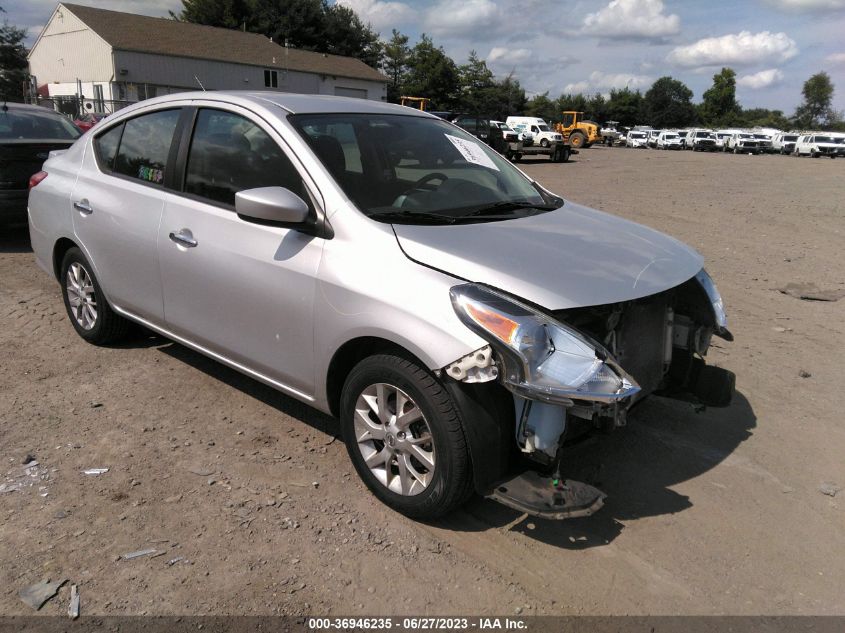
(271, 79)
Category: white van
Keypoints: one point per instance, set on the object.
(636, 138)
(543, 134)
(815, 145)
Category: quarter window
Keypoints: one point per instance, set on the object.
(229, 153)
(145, 145)
(105, 146)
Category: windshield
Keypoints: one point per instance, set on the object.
(411, 169)
(762, 137)
(638, 135)
(17, 124)
(790, 138)
(745, 135)
(824, 139)
(669, 136)
(704, 135)
(544, 128)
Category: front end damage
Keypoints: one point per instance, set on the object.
(548, 377)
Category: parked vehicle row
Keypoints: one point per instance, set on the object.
(736, 141)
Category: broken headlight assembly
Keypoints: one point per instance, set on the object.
(542, 359)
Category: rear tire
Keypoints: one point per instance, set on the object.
(89, 312)
(385, 450)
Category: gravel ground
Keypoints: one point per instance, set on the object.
(252, 506)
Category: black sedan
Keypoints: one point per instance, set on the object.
(27, 135)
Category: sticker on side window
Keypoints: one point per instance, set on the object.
(472, 152)
(151, 174)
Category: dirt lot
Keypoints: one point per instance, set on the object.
(714, 511)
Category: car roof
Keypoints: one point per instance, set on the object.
(30, 108)
(292, 102)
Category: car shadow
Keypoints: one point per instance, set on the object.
(666, 442)
(253, 388)
(15, 239)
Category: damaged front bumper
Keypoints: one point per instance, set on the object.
(584, 368)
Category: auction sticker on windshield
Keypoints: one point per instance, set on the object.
(472, 152)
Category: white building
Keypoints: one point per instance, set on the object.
(108, 56)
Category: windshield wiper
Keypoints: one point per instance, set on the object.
(506, 206)
(413, 217)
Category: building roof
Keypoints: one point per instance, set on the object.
(163, 36)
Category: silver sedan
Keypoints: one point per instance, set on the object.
(386, 267)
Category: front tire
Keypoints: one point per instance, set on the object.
(405, 437)
(577, 140)
(90, 314)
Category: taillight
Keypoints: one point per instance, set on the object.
(34, 179)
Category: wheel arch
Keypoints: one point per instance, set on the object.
(353, 352)
(60, 248)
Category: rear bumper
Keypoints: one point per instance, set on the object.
(13, 206)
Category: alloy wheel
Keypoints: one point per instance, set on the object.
(394, 439)
(81, 296)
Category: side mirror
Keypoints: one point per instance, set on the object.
(273, 204)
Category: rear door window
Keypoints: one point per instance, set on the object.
(145, 146)
(229, 153)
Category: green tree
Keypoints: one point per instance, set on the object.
(596, 108)
(14, 68)
(578, 102)
(312, 25)
(719, 107)
(299, 23)
(541, 106)
(506, 97)
(816, 110)
(668, 104)
(230, 14)
(624, 106)
(476, 86)
(397, 53)
(763, 117)
(432, 74)
(346, 34)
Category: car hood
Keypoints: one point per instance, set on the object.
(571, 257)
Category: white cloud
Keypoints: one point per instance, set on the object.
(633, 19)
(382, 15)
(738, 49)
(479, 19)
(763, 79)
(510, 55)
(801, 6)
(836, 58)
(600, 81)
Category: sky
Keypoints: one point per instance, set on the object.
(559, 46)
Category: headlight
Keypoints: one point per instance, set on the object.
(543, 359)
(716, 302)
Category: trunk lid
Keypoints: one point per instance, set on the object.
(20, 159)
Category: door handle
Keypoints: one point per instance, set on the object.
(83, 206)
(183, 237)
